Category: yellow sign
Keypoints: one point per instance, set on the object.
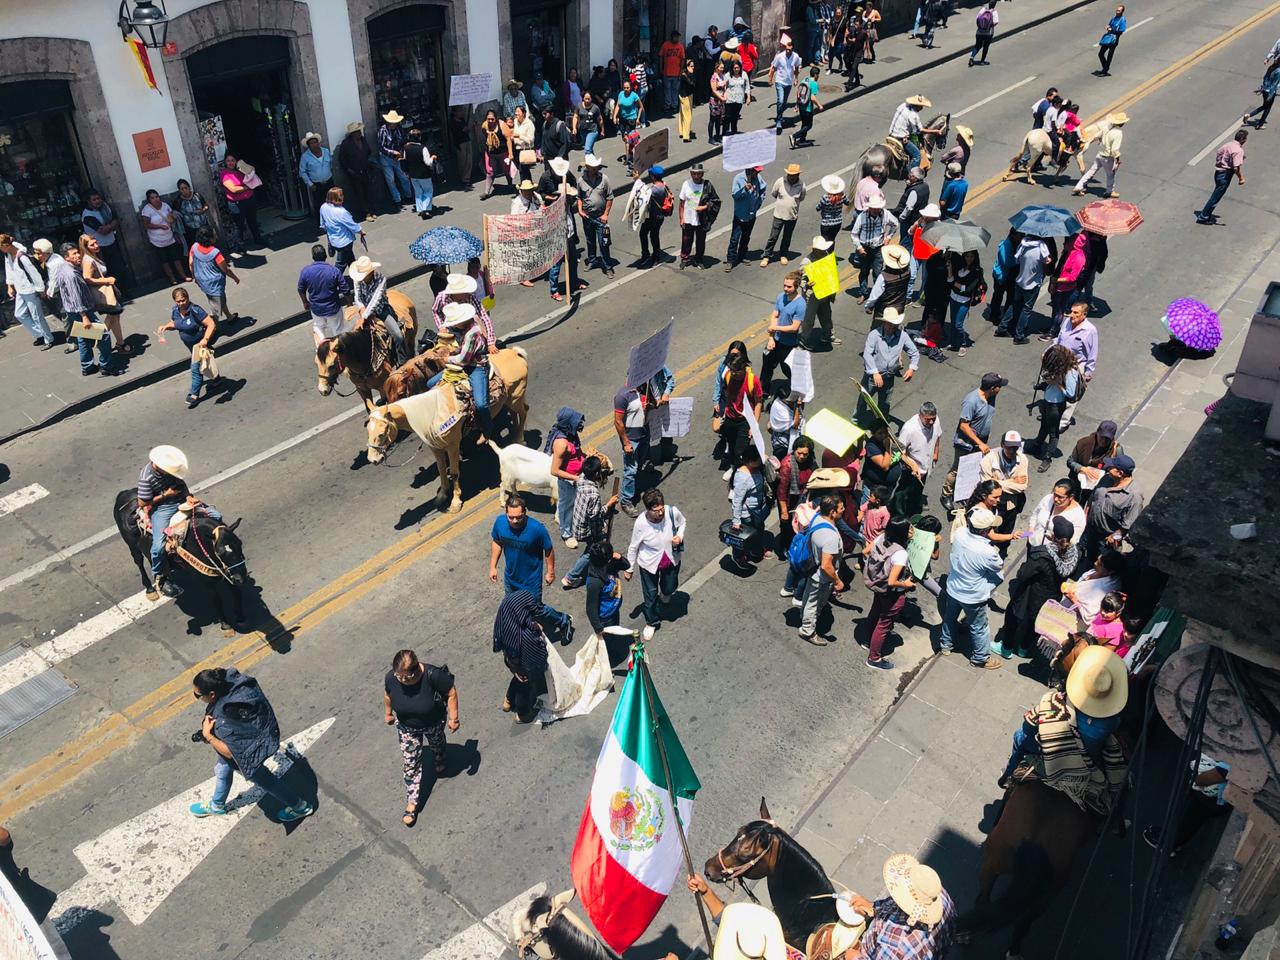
(833, 431)
(824, 276)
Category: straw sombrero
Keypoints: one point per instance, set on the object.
(915, 100)
(895, 256)
(915, 888)
(1098, 684)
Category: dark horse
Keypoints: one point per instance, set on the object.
(547, 930)
(799, 891)
(213, 543)
(895, 162)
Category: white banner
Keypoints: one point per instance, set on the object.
(467, 89)
(742, 150)
(801, 363)
(648, 357)
(754, 426)
(522, 246)
(21, 938)
(672, 419)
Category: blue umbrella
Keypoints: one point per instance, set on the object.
(1043, 220)
(446, 245)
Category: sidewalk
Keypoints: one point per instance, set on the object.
(41, 388)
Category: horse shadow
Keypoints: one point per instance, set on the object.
(478, 475)
(88, 939)
(201, 609)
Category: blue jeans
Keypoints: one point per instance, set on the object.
(571, 257)
(197, 378)
(881, 395)
(739, 240)
(578, 572)
(29, 311)
(589, 141)
(958, 313)
(160, 518)
(596, 241)
(264, 778)
(479, 377)
(976, 622)
(783, 92)
(86, 346)
(1221, 180)
(398, 184)
(1020, 307)
(631, 467)
(913, 153)
(1024, 742)
(549, 616)
(671, 92)
(566, 494)
(915, 28)
(424, 192)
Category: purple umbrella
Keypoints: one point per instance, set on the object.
(1194, 324)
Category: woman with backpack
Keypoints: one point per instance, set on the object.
(416, 697)
(1060, 379)
(793, 480)
(887, 575)
(985, 24)
(749, 499)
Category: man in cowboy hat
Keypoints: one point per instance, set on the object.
(788, 192)
(890, 288)
(391, 140)
(527, 199)
(371, 298)
(882, 363)
(1108, 158)
(162, 488)
(556, 179)
(871, 230)
(817, 308)
(354, 156)
(905, 125)
(696, 195)
(316, 170)
(473, 357)
(462, 288)
(916, 921)
(960, 152)
(912, 201)
(512, 98)
(595, 201)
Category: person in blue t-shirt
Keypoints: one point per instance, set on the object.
(784, 328)
(954, 190)
(524, 545)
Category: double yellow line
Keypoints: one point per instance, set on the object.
(51, 773)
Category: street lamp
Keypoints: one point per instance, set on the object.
(149, 21)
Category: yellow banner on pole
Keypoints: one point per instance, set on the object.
(824, 276)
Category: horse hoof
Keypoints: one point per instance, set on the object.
(455, 507)
(153, 595)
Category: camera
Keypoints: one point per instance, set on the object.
(198, 737)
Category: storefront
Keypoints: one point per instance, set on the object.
(644, 26)
(540, 40)
(410, 70)
(42, 170)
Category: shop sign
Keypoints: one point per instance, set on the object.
(170, 48)
(152, 152)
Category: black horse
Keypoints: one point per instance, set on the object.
(214, 545)
(799, 891)
(548, 930)
(895, 161)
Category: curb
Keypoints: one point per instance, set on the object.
(262, 331)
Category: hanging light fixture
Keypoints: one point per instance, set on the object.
(149, 22)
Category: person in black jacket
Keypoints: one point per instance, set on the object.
(605, 567)
(1039, 579)
(556, 136)
(419, 165)
(913, 200)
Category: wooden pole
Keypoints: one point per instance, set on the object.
(564, 195)
(608, 529)
(637, 651)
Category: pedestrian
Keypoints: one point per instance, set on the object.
(1080, 336)
(159, 220)
(605, 567)
(871, 17)
(976, 570)
(1003, 273)
(104, 291)
(783, 72)
(521, 136)
(26, 287)
(50, 262)
(628, 110)
(197, 331)
(417, 697)
(794, 472)
(887, 574)
(1114, 507)
(973, 429)
(1060, 378)
(496, 152)
(954, 190)
(592, 517)
(1063, 286)
(595, 201)
(420, 165)
(831, 208)
(101, 223)
(891, 286)
(786, 419)
(661, 203)
(526, 200)
(241, 727)
(985, 24)
(962, 150)
(211, 272)
(923, 253)
(807, 103)
(905, 126)
(528, 559)
(557, 138)
(741, 393)
(1116, 27)
(630, 413)
(737, 94)
(882, 365)
(818, 309)
(914, 198)
(1039, 579)
(315, 167)
(193, 214)
(870, 231)
(460, 134)
(1032, 259)
(921, 442)
(564, 444)
(321, 287)
(687, 87)
(519, 637)
(836, 32)
(968, 288)
(671, 61)
(872, 185)
(697, 198)
(355, 157)
(555, 181)
(1108, 158)
(241, 202)
(1061, 501)
(855, 48)
(717, 86)
(1267, 89)
(818, 574)
(1007, 465)
(391, 140)
(748, 194)
(77, 302)
(1227, 162)
(882, 469)
(587, 122)
(657, 547)
(340, 228)
(749, 509)
(1086, 458)
(370, 296)
(784, 328)
(788, 192)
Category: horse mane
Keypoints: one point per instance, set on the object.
(564, 937)
(356, 347)
(794, 885)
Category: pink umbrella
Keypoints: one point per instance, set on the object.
(1109, 218)
(1193, 324)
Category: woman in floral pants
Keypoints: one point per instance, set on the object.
(416, 698)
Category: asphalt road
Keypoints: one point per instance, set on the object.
(351, 562)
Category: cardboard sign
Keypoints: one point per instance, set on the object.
(824, 277)
(672, 419)
(153, 154)
(920, 552)
(648, 357)
(742, 150)
(467, 89)
(833, 431)
(652, 149)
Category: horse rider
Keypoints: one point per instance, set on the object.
(905, 126)
(162, 489)
(371, 299)
(472, 357)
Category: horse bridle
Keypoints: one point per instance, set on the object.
(223, 569)
(732, 877)
(338, 369)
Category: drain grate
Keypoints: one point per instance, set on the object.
(32, 697)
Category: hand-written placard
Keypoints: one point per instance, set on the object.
(920, 552)
(968, 473)
(466, 89)
(672, 419)
(742, 150)
(652, 149)
(648, 357)
(756, 436)
(801, 362)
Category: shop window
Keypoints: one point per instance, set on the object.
(539, 35)
(410, 75)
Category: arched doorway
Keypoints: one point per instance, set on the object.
(410, 69)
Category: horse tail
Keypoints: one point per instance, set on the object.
(1029, 883)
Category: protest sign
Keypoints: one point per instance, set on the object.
(833, 431)
(648, 357)
(742, 150)
(824, 276)
(967, 476)
(21, 938)
(522, 246)
(672, 419)
(652, 149)
(801, 362)
(756, 436)
(466, 89)
(920, 552)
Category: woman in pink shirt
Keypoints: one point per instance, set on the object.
(241, 203)
(1064, 286)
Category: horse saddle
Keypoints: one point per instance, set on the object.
(831, 940)
(895, 148)
(462, 390)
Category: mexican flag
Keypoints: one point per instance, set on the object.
(628, 852)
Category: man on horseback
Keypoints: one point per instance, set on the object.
(162, 489)
(472, 357)
(371, 298)
(905, 126)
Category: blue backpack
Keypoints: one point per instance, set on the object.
(610, 598)
(800, 553)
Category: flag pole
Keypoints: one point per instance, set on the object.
(568, 267)
(637, 651)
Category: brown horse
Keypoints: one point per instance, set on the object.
(893, 158)
(799, 891)
(363, 353)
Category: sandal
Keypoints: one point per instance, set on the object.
(557, 297)
(410, 816)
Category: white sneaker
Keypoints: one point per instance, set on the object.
(647, 633)
(571, 543)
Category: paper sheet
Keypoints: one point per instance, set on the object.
(672, 419)
(967, 476)
(801, 363)
(833, 431)
(648, 357)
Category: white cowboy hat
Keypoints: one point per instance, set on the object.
(916, 100)
(980, 518)
(526, 184)
(964, 133)
(1098, 684)
(931, 210)
(460, 283)
(832, 184)
(308, 137)
(732, 44)
(822, 243)
(393, 117)
(592, 162)
(915, 888)
(892, 317)
(749, 931)
(169, 459)
(875, 202)
(457, 314)
(895, 256)
(559, 166)
(362, 268)
(355, 126)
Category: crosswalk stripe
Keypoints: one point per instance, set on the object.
(22, 498)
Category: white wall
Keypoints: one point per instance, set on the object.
(335, 60)
(701, 14)
(600, 36)
(483, 52)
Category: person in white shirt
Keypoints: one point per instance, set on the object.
(782, 75)
(26, 286)
(1059, 502)
(158, 220)
(921, 440)
(657, 546)
(693, 232)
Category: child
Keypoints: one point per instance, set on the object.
(874, 515)
(786, 418)
(1070, 120)
(1107, 626)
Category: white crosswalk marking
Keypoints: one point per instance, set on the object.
(21, 498)
(490, 938)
